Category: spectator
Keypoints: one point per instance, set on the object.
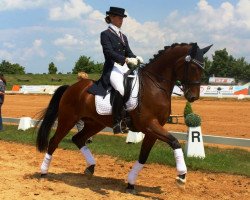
(2, 93)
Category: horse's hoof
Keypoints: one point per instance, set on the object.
(89, 171)
(88, 174)
(180, 182)
(131, 189)
(43, 175)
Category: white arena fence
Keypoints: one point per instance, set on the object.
(231, 141)
(219, 91)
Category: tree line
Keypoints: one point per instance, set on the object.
(225, 65)
(221, 65)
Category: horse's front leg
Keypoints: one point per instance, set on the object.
(146, 147)
(162, 134)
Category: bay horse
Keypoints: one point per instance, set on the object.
(182, 62)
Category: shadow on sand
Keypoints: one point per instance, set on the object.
(97, 184)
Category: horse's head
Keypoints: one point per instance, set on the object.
(188, 70)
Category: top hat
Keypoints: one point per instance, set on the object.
(116, 11)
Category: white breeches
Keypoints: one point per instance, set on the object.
(116, 77)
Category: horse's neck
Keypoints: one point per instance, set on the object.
(161, 69)
(164, 64)
(159, 80)
(160, 76)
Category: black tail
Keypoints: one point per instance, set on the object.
(49, 117)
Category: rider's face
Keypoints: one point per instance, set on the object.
(116, 20)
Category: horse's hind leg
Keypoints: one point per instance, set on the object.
(65, 124)
(90, 129)
(146, 147)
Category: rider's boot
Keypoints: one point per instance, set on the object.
(117, 109)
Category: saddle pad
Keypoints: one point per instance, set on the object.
(103, 106)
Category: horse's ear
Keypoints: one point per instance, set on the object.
(205, 50)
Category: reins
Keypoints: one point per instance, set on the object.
(157, 77)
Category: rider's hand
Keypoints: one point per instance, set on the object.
(132, 61)
(140, 59)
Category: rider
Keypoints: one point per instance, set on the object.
(117, 55)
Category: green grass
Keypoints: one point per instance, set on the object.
(43, 79)
(231, 161)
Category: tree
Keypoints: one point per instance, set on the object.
(52, 68)
(206, 73)
(225, 65)
(83, 64)
(8, 68)
(98, 67)
(222, 64)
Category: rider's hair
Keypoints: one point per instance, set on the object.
(107, 19)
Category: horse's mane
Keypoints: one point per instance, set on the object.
(166, 48)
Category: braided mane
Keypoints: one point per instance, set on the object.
(166, 48)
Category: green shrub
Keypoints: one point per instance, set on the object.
(192, 120)
(188, 109)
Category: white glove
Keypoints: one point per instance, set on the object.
(140, 59)
(132, 61)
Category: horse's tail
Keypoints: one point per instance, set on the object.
(49, 117)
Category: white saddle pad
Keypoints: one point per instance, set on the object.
(103, 106)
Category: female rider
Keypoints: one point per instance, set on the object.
(117, 55)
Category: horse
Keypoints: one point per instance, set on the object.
(69, 104)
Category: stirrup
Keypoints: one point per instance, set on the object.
(117, 128)
(120, 127)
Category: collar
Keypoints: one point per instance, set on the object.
(115, 28)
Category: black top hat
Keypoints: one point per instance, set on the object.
(116, 11)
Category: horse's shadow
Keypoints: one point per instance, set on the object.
(104, 183)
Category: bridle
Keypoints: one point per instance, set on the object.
(184, 83)
(188, 61)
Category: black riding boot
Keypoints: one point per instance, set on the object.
(117, 109)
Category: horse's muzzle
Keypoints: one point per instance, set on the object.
(191, 97)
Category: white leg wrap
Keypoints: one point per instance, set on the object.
(46, 162)
(132, 176)
(180, 162)
(88, 155)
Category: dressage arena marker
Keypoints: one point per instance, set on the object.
(134, 137)
(25, 123)
(194, 145)
(212, 139)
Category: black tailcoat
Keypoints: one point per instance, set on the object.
(115, 50)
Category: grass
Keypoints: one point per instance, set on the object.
(43, 79)
(231, 161)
